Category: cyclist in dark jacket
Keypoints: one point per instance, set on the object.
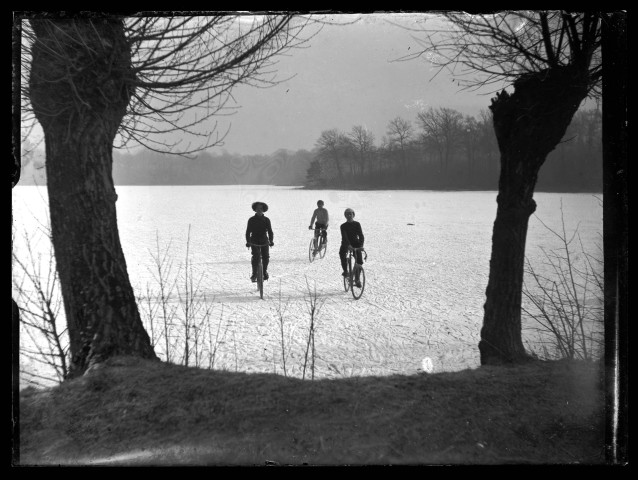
(259, 231)
(351, 235)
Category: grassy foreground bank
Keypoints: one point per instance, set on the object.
(135, 412)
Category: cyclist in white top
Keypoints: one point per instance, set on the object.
(321, 216)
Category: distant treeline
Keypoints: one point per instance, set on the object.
(442, 149)
(150, 168)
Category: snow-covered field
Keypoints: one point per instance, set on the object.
(427, 270)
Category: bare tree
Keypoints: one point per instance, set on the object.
(488, 147)
(363, 143)
(400, 133)
(470, 143)
(552, 61)
(332, 145)
(314, 174)
(443, 127)
(36, 288)
(86, 80)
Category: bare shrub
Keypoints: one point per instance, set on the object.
(314, 305)
(44, 342)
(177, 313)
(281, 311)
(565, 300)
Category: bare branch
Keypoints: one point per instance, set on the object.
(497, 48)
(181, 73)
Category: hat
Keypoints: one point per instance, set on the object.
(264, 207)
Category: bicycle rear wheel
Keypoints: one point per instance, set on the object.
(322, 247)
(358, 291)
(260, 279)
(311, 249)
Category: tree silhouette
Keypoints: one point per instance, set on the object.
(552, 61)
(400, 133)
(332, 144)
(442, 126)
(90, 80)
(363, 142)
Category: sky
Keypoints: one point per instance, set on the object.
(346, 77)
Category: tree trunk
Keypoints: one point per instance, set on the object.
(79, 95)
(404, 163)
(528, 124)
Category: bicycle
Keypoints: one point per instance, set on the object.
(260, 270)
(355, 272)
(322, 245)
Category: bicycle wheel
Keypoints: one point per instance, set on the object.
(322, 247)
(346, 279)
(311, 249)
(260, 278)
(358, 291)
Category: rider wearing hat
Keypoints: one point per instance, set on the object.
(259, 231)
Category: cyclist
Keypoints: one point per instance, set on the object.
(351, 236)
(322, 217)
(259, 231)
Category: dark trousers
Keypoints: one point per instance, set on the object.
(319, 226)
(343, 250)
(265, 257)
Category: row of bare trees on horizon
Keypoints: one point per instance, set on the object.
(444, 148)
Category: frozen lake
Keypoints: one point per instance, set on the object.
(427, 269)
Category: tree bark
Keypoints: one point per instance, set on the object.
(79, 94)
(528, 124)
